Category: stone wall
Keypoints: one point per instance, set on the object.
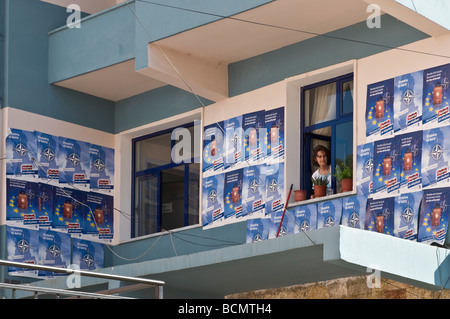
(345, 288)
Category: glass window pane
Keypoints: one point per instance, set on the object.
(146, 205)
(167, 198)
(193, 200)
(153, 152)
(347, 97)
(344, 146)
(320, 104)
(172, 198)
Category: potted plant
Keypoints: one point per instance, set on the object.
(320, 186)
(300, 195)
(344, 174)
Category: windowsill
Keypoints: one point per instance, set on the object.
(159, 234)
(322, 199)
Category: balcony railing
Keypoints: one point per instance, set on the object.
(140, 283)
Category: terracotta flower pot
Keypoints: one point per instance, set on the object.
(300, 195)
(347, 184)
(320, 190)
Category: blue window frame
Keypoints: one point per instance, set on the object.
(327, 119)
(164, 192)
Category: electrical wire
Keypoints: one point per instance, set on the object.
(181, 77)
(40, 166)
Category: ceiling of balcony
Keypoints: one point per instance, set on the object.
(248, 34)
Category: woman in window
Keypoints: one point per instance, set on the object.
(322, 159)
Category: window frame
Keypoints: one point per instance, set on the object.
(157, 171)
(341, 118)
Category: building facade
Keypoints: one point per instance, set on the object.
(169, 118)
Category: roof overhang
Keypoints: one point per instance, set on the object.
(197, 60)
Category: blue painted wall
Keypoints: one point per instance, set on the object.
(27, 69)
(164, 20)
(179, 243)
(319, 52)
(153, 106)
(2, 47)
(104, 39)
(124, 31)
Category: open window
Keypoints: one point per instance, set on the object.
(327, 119)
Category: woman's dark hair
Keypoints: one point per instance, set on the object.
(322, 148)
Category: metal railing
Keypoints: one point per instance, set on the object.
(143, 282)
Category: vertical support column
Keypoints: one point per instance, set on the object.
(159, 292)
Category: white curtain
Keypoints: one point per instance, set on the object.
(324, 107)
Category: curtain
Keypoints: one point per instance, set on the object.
(324, 107)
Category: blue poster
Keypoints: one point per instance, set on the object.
(69, 210)
(329, 213)
(364, 168)
(23, 247)
(233, 194)
(22, 199)
(305, 218)
(435, 157)
(254, 136)
(99, 216)
(257, 229)
(379, 216)
(54, 251)
(233, 153)
(433, 217)
(380, 110)
(101, 168)
(353, 211)
(87, 255)
(287, 224)
(46, 205)
(254, 191)
(387, 169)
(274, 187)
(47, 155)
(213, 143)
(410, 161)
(212, 201)
(21, 153)
(274, 122)
(406, 215)
(436, 93)
(74, 162)
(408, 102)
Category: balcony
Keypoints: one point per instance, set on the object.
(317, 255)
